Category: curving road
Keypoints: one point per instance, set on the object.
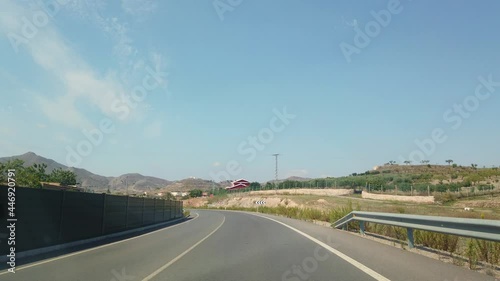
(224, 245)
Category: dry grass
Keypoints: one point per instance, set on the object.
(473, 253)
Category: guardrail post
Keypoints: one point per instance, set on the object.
(411, 242)
(362, 227)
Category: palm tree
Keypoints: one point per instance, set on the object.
(449, 161)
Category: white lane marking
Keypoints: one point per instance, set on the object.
(96, 248)
(348, 259)
(149, 277)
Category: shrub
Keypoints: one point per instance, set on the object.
(445, 197)
(471, 254)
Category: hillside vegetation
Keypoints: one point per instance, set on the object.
(418, 179)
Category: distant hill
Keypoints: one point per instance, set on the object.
(86, 178)
(136, 183)
(193, 183)
(31, 158)
(294, 178)
(421, 169)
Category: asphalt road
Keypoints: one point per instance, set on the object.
(224, 245)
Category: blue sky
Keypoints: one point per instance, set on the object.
(202, 77)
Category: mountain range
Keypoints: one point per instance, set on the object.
(133, 182)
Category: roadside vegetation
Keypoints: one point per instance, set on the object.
(447, 183)
(33, 176)
(462, 250)
(472, 253)
(307, 214)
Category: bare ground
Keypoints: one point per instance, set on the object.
(415, 199)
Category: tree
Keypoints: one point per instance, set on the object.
(169, 196)
(268, 186)
(25, 176)
(474, 166)
(40, 169)
(407, 162)
(34, 175)
(449, 161)
(195, 193)
(474, 178)
(3, 178)
(64, 177)
(255, 186)
(392, 162)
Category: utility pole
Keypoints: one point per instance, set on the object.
(276, 168)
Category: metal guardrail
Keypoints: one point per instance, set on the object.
(473, 228)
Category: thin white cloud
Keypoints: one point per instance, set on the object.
(297, 173)
(61, 137)
(5, 75)
(153, 130)
(63, 111)
(7, 131)
(216, 164)
(50, 51)
(81, 83)
(352, 23)
(11, 146)
(139, 8)
(132, 62)
(6, 109)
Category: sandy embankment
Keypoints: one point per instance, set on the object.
(415, 199)
(305, 191)
(272, 198)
